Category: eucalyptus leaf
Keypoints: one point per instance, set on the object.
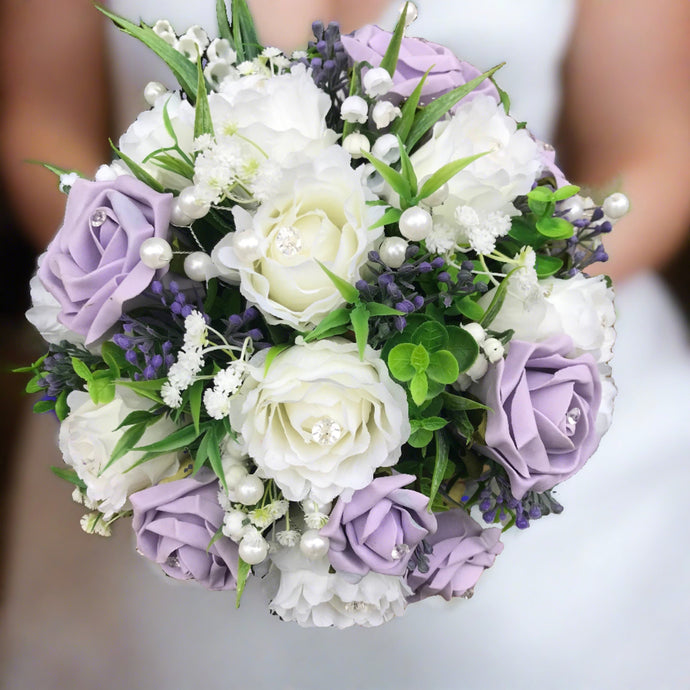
(547, 265)
(432, 335)
(102, 388)
(469, 308)
(419, 358)
(462, 346)
(443, 367)
(420, 438)
(526, 234)
(44, 406)
(433, 423)
(81, 370)
(419, 387)
(555, 228)
(114, 357)
(34, 384)
(399, 362)
(61, 406)
(565, 192)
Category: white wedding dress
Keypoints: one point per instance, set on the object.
(595, 598)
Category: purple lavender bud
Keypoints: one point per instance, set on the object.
(535, 512)
(522, 522)
(374, 256)
(186, 311)
(438, 262)
(250, 314)
(316, 63)
(425, 267)
(605, 226)
(176, 308)
(122, 341)
(322, 47)
(137, 377)
(157, 361)
(329, 65)
(169, 360)
(149, 373)
(317, 29)
(145, 346)
(399, 322)
(513, 503)
(255, 334)
(581, 223)
(362, 285)
(174, 288)
(411, 251)
(235, 320)
(338, 47)
(385, 279)
(572, 272)
(393, 291)
(157, 287)
(131, 356)
(418, 302)
(489, 516)
(405, 305)
(167, 347)
(482, 288)
(447, 300)
(180, 297)
(444, 277)
(485, 505)
(467, 266)
(597, 215)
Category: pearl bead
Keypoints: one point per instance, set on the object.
(152, 91)
(313, 545)
(415, 224)
(575, 209)
(246, 246)
(253, 551)
(199, 267)
(392, 251)
(190, 205)
(249, 490)
(178, 218)
(234, 475)
(411, 14)
(435, 198)
(155, 252)
(355, 144)
(616, 205)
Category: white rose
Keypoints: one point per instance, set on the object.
(148, 134)
(580, 307)
(284, 115)
(88, 436)
(310, 595)
(320, 213)
(320, 421)
(43, 314)
(491, 183)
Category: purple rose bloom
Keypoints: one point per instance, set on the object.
(175, 522)
(547, 159)
(462, 551)
(92, 266)
(541, 427)
(378, 529)
(369, 44)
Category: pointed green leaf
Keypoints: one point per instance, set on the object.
(420, 438)
(462, 346)
(244, 32)
(432, 335)
(393, 177)
(440, 464)
(433, 423)
(69, 476)
(173, 164)
(61, 406)
(114, 357)
(419, 359)
(445, 173)
(390, 217)
(224, 30)
(419, 387)
(81, 370)
(126, 443)
(497, 301)
(355, 85)
(138, 171)
(336, 319)
(525, 233)
(505, 98)
(403, 125)
(430, 114)
(399, 362)
(216, 434)
(136, 417)
(376, 309)
(34, 385)
(456, 403)
(202, 117)
(360, 324)
(349, 292)
(102, 388)
(183, 69)
(407, 168)
(175, 441)
(243, 570)
(443, 367)
(54, 168)
(43, 406)
(274, 352)
(196, 392)
(469, 308)
(555, 228)
(565, 192)
(201, 455)
(390, 59)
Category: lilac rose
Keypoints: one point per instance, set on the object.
(92, 266)
(369, 44)
(461, 551)
(174, 524)
(544, 404)
(379, 528)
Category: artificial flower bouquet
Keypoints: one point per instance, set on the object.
(325, 320)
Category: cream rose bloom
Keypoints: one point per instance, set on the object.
(88, 436)
(319, 214)
(314, 597)
(320, 421)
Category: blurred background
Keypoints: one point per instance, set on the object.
(79, 611)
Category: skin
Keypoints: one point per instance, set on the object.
(632, 136)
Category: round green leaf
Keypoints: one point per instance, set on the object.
(432, 335)
(443, 367)
(419, 388)
(463, 347)
(399, 362)
(555, 228)
(419, 359)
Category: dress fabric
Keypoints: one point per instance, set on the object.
(594, 598)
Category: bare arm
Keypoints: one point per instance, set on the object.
(54, 103)
(626, 118)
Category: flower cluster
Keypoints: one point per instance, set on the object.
(324, 319)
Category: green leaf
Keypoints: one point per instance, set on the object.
(376, 309)
(138, 171)
(390, 217)
(547, 265)
(419, 387)
(462, 346)
(34, 385)
(445, 173)
(433, 423)
(565, 192)
(102, 388)
(399, 362)
(126, 443)
(395, 179)
(178, 439)
(61, 406)
(456, 403)
(360, 324)
(432, 335)
(349, 292)
(390, 59)
(443, 367)
(420, 438)
(274, 352)
(183, 69)
(340, 318)
(497, 301)
(440, 464)
(54, 168)
(69, 476)
(136, 417)
(419, 359)
(202, 118)
(469, 308)
(174, 165)
(430, 114)
(113, 357)
(355, 82)
(224, 30)
(406, 167)
(243, 570)
(505, 98)
(526, 234)
(202, 452)
(216, 433)
(43, 406)
(402, 126)
(244, 32)
(81, 370)
(195, 394)
(555, 228)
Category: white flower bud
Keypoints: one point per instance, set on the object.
(354, 109)
(493, 349)
(377, 82)
(476, 331)
(479, 368)
(387, 149)
(384, 113)
(355, 144)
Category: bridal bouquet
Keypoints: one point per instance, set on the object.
(324, 319)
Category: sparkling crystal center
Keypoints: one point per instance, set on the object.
(172, 562)
(288, 241)
(326, 431)
(412, 12)
(355, 606)
(98, 217)
(468, 594)
(571, 420)
(399, 550)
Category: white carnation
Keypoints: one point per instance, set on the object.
(308, 594)
(320, 421)
(320, 214)
(88, 437)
